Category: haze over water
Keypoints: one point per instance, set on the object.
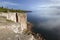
(46, 23)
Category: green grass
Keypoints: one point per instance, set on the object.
(12, 10)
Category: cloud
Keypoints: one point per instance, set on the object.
(45, 4)
(5, 3)
(55, 1)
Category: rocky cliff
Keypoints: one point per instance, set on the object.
(13, 26)
(20, 18)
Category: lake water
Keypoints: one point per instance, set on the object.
(46, 24)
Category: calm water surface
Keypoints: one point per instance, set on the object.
(45, 24)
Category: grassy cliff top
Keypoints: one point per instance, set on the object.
(12, 10)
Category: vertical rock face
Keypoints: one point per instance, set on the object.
(11, 16)
(13, 25)
(20, 18)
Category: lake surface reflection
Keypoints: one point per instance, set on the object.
(47, 24)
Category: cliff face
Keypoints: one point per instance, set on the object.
(20, 18)
(13, 26)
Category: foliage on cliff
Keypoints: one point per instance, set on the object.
(2, 9)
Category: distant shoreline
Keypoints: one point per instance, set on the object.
(2, 9)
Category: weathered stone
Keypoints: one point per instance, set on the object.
(13, 26)
(21, 18)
